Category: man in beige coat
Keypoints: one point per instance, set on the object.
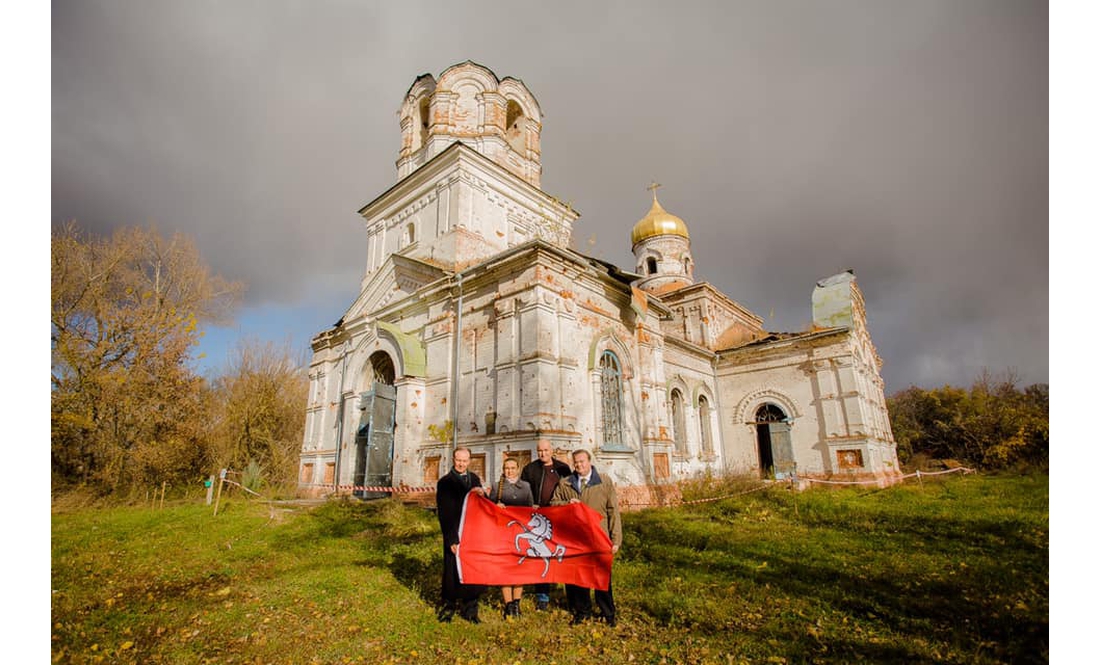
(587, 486)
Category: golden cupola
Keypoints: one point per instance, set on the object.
(658, 222)
(662, 250)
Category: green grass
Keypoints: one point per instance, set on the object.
(953, 571)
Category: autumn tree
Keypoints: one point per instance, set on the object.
(993, 424)
(258, 415)
(126, 408)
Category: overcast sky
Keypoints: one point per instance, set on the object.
(905, 140)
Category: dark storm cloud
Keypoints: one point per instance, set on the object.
(906, 140)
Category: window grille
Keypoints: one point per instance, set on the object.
(611, 397)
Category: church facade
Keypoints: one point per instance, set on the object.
(477, 325)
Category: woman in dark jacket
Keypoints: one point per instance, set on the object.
(511, 491)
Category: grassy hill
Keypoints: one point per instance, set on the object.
(952, 571)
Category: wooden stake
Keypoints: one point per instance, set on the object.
(218, 497)
(163, 485)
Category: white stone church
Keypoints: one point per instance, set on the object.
(478, 325)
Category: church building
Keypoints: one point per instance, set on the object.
(477, 324)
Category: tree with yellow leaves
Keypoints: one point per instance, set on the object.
(126, 407)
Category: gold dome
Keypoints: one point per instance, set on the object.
(658, 222)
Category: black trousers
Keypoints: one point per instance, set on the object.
(456, 595)
(580, 602)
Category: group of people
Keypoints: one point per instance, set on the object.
(546, 481)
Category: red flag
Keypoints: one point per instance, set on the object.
(518, 545)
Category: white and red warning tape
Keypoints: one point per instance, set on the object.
(233, 482)
(400, 489)
(916, 475)
(405, 489)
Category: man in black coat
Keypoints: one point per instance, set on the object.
(450, 492)
(543, 475)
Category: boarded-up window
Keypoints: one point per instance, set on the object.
(477, 465)
(704, 426)
(679, 424)
(850, 459)
(307, 474)
(330, 472)
(660, 466)
(521, 456)
(431, 470)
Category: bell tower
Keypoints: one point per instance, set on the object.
(662, 250)
(469, 173)
(498, 118)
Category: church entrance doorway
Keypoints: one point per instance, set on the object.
(374, 436)
(773, 442)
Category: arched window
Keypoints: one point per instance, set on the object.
(514, 130)
(382, 370)
(410, 233)
(679, 425)
(425, 119)
(704, 426)
(651, 265)
(611, 398)
(770, 413)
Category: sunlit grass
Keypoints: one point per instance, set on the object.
(952, 571)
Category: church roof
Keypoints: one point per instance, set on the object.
(778, 337)
(658, 222)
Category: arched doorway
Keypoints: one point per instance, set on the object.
(374, 436)
(773, 441)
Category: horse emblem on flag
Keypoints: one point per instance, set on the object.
(537, 533)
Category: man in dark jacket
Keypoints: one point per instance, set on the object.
(450, 492)
(597, 492)
(543, 476)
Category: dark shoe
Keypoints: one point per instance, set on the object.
(515, 608)
(579, 619)
(542, 605)
(445, 614)
(610, 621)
(471, 618)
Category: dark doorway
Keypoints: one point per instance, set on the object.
(767, 416)
(374, 437)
